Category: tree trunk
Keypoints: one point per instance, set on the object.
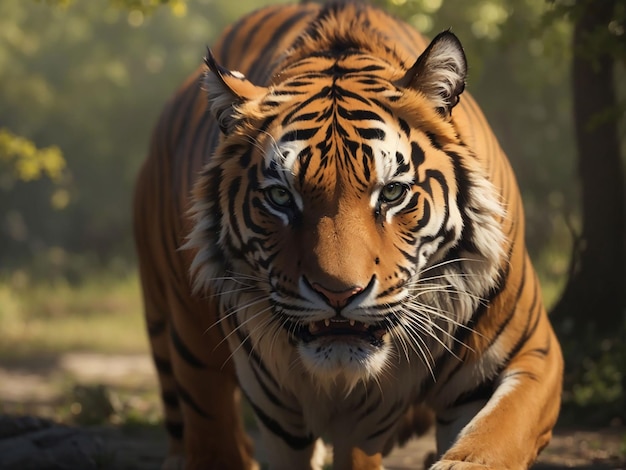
(594, 300)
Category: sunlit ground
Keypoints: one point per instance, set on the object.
(76, 353)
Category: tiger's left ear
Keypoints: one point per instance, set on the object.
(439, 72)
(227, 92)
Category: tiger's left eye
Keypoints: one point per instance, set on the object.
(279, 196)
(392, 192)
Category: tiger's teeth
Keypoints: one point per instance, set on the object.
(352, 322)
(327, 322)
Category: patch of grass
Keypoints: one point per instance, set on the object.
(40, 321)
(102, 314)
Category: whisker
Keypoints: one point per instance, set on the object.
(418, 345)
(419, 319)
(241, 325)
(246, 338)
(234, 310)
(446, 290)
(231, 291)
(448, 262)
(428, 328)
(446, 275)
(443, 315)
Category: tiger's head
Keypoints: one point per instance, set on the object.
(345, 195)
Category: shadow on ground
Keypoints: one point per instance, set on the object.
(31, 391)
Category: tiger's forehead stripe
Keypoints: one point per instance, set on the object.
(349, 129)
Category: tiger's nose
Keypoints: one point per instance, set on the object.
(336, 299)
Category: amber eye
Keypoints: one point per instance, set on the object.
(392, 192)
(279, 196)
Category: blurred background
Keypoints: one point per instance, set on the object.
(82, 83)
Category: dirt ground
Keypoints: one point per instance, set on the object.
(40, 388)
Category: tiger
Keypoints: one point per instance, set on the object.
(328, 230)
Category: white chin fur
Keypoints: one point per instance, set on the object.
(346, 361)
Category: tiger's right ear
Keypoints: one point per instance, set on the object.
(227, 91)
(439, 73)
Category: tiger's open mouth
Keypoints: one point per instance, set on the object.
(341, 327)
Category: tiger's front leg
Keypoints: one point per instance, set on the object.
(516, 422)
(208, 394)
(285, 455)
(285, 439)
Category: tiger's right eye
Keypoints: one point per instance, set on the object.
(393, 192)
(279, 196)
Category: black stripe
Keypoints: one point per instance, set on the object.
(323, 93)
(295, 442)
(391, 416)
(523, 373)
(259, 23)
(170, 399)
(305, 117)
(528, 333)
(156, 328)
(175, 430)
(370, 133)
(404, 126)
(481, 392)
(358, 114)
(163, 366)
(340, 92)
(252, 354)
(260, 71)
(189, 401)
(509, 316)
(299, 134)
(540, 352)
(183, 351)
(269, 394)
(403, 166)
(229, 40)
(233, 210)
(417, 155)
(381, 430)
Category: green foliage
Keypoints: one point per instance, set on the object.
(90, 77)
(609, 40)
(595, 379)
(22, 161)
(91, 404)
(27, 161)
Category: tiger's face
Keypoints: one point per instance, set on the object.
(345, 192)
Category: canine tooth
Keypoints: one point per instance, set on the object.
(327, 322)
(352, 322)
